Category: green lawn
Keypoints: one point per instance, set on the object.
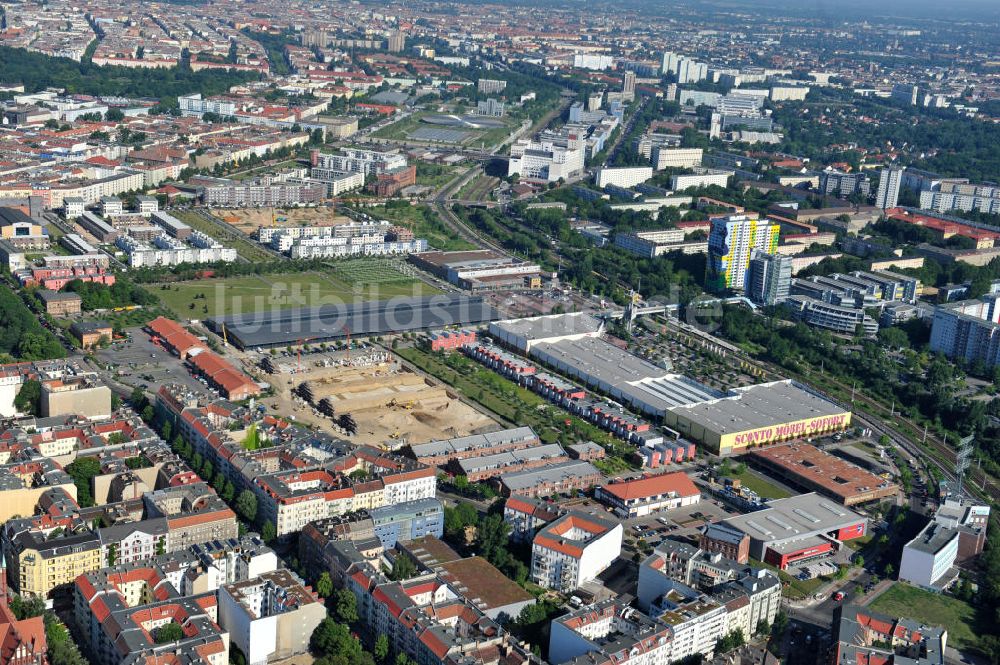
(761, 486)
(424, 223)
(903, 600)
(214, 297)
(512, 402)
(435, 175)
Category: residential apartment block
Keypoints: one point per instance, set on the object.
(574, 549)
(731, 242)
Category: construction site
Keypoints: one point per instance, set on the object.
(248, 220)
(368, 397)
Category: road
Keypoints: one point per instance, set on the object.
(626, 130)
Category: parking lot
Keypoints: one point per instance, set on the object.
(140, 363)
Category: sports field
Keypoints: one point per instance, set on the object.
(353, 281)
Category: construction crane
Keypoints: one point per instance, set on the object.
(225, 339)
(347, 330)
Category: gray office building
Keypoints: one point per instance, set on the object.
(769, 278)
(888, 188)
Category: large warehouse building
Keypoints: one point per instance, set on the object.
(758, 415)
(571, 344)
(726, 423)
(813, 470)
(274, 329)
(799, 528)
(522, 334)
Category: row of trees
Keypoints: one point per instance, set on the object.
(38, 71)
(61, 648)
(244, 503)
(22, 337)
(122, 293)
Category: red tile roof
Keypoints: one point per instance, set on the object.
(666, 483)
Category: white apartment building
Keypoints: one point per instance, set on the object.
(888, 188)
(574, 549)
(697, 624)
(195, 105)
(969, 330)
(490, 86)
(338, 182)
(549, 160)
(170, 252)
(667, 582)
(336, 246)
(701, 178)
(664, 157)
(789, 93)
(981, 199)
(593, 61)
(267, 234)
(292, 499)
(623, 177)
(634, 638)
(360, 160)
(235, 195)
(650, 244)
(270, 617)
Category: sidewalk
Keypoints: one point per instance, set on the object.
(824, 592)
(879, 589)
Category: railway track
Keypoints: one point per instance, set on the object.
(942, 456)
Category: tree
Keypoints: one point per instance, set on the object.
(332, 638)
(25, 608)
(733, 640)
(29, 397)
(491, 539)
(137, 398)
(246, 505)
(894, 338)
(403, 568)
(114, 115)
(82, 470)
(269, 532)
(168, 632)
(381, 647)
(324, 585)
(780, 624)
(166, 430)
(347, 605)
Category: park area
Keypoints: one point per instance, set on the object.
(346, 281)
(933, 609)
